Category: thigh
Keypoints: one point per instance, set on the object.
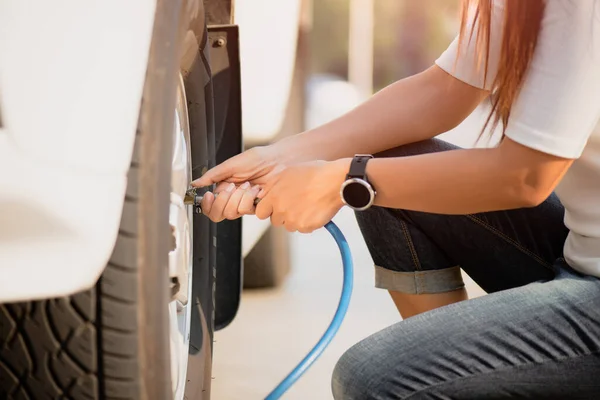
(499, 250)
(538, 341)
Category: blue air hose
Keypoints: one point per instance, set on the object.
(193, 198)
(335, 324)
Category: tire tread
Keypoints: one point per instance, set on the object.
(52, 349)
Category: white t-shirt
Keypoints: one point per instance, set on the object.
(557, 111)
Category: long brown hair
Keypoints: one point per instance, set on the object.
(521, 27)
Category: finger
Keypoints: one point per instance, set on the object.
(221, 187)
(305, 229)
(247, 203)
(289, 226)
(207, 201)
(214, 175)
(231, 209)
(277, 219)
(264, 209)
(216, 211)
(219, 173)
(262, 193)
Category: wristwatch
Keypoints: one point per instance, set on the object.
(356, 191)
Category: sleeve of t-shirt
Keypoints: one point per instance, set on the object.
(559, 104)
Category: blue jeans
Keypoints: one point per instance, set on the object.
(536, 335)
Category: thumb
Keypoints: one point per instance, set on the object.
(216, 174)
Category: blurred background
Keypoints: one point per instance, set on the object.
(407, 36)
(344, 51)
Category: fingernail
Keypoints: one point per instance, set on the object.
(245, 186)
(256, 188)
(230, 187)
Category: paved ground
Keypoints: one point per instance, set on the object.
(275, 328)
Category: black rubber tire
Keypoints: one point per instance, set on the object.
(199, 91)
(111, 342)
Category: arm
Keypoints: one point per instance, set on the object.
(412, 109)
(550, 124)
(467, 181)
(452, 182)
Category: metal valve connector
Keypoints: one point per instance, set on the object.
(192, 198)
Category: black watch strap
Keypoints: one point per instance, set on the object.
(358, 167)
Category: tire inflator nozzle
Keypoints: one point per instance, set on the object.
(192, 198)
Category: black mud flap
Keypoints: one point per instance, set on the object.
(199, 93)
(223, 43)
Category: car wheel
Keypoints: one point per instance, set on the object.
(129, 336)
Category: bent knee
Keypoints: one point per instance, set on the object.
(343, 385)
(355, 376)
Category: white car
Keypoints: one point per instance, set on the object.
(108, 109)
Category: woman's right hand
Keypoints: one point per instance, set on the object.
(229, 201)
(239, 180)
(256, 166)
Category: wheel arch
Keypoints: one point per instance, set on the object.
(67, 138)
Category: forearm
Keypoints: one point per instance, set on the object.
(413, 109)
(452, 182)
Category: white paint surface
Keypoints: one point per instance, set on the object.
(268, 36)
(71, 80)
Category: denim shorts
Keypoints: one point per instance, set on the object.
(536, 335)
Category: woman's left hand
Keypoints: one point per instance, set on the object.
(304, 197)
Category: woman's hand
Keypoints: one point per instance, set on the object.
(257, 166)
(229, 201)
(304, 197)
(238, 180)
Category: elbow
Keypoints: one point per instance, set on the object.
(529, 196)
(532, 175)
(534, 199)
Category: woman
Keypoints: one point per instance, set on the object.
(438, 208)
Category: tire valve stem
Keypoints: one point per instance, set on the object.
(192, 198)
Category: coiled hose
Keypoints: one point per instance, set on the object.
(335, 324)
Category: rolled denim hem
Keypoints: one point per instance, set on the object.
(419, 282)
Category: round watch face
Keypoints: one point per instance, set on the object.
(357, 194)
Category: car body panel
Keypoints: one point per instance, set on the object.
(268, 38)
(268, 50)
(71, 79)
(69, 114)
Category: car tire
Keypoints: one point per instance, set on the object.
(112, 341)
